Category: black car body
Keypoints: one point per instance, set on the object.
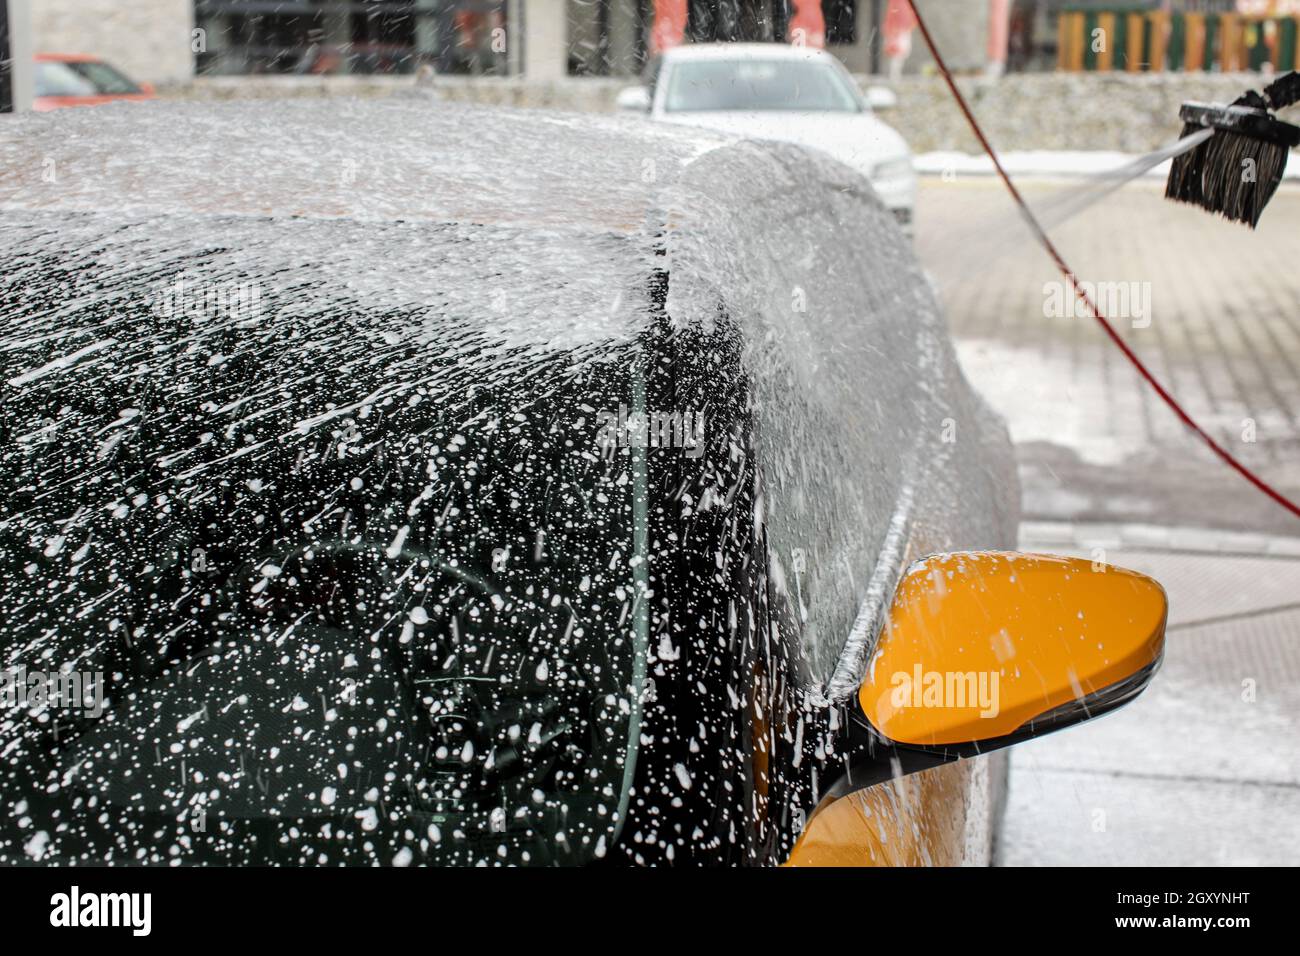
(445, 485)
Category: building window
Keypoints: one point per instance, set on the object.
(316, 37)
(841, 18)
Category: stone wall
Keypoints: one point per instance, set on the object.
(587, 94)
(149, 40)
(1129, 112)
(1078, 111)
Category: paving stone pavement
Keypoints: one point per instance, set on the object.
(1221, 329)
(1203, 768)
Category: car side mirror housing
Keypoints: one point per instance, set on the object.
(881, 98)
(985, 649)
(148, 88)
(633, 99)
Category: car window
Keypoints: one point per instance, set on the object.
(830, 302)
(60, 79)
(353, 570)
(757, 84)
(81, 79)
(105, 78)
(837, 406)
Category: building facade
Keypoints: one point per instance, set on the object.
(151, 40)
(169, 41)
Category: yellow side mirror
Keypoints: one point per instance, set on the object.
(991, 648)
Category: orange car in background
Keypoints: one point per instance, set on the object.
(74, 79)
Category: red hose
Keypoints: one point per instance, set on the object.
(1047, 244)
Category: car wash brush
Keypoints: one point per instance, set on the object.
(1236, 170)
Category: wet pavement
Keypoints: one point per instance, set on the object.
(1212, 307)
(1204, 767)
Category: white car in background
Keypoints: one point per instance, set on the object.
(788, 93)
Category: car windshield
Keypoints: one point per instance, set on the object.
(342, 555)
(797, 85)
(89, 78)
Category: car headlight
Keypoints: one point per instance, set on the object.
(900, 168)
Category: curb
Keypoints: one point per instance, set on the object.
(1144, 537)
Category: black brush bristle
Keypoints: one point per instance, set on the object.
(1186, 170)
(1241, 175)
(1238, 169)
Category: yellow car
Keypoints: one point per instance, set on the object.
(404, 483)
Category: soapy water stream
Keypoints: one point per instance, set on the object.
(1098, 186)
(970, 249)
